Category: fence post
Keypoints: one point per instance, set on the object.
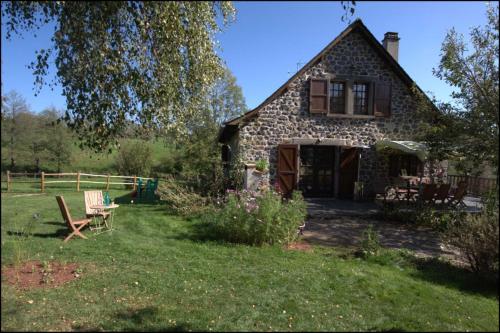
(8, 181)
(42, 182)
(107, 183)
(78, 181)
(135, 182)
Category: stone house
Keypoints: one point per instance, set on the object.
(319, 131)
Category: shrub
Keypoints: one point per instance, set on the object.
(477, 236)
(180, 199)
(370, 244)
(134, 158)
(258, 218)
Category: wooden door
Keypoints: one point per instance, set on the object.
(316, 171)
(287, 168)
(349, 159)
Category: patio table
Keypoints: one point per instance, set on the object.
(111, 209)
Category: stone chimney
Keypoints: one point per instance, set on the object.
(391, 44)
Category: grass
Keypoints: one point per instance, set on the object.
(157, 272)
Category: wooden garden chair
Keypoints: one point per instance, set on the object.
(74, 226)
(456, 199)
(442, 193)
(428, 193)
(95, 198)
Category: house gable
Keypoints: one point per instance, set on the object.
(326, 56)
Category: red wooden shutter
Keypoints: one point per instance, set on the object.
(287, 168)
(382, 100)
(318, 96)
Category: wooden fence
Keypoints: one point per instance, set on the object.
(475, 185)
(41, 178)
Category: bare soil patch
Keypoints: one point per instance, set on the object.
(299, 246)
(34, 274)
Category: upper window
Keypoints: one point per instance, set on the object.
(337, 97)
(360, 94)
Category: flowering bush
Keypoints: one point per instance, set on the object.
(258, 217)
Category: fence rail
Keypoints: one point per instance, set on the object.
(475, 185)
(11, 176)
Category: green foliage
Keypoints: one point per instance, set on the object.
(370, 244)
(467, 129)
(261, 165)
(180, 199)
(477, 236)
(33, 142)
(235, 177)
(134, 158)
(153, 62)
(225, 98)
(196, 159)
(423, 215)
(58, 144)
(258, 218)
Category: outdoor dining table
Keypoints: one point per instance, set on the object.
(111, 209)
(411, 190)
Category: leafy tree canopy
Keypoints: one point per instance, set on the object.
(467, 129)
(150, 62)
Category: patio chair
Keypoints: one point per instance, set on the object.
(428, 193)
(456, 198)
(74, 226)
(442, 193)
(95, 198)
(139, 187)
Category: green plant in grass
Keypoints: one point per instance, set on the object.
(47, 276)
(22, 240)
(370, 244)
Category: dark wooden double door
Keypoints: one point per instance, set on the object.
(316, 174)
(317, 168)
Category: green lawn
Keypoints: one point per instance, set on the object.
(157, 272)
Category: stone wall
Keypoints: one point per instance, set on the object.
(287, 116)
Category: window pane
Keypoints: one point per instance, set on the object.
(337, 97)
(360, 94)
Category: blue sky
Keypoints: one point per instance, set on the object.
(267, 40)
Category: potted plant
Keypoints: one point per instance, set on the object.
(261, 166)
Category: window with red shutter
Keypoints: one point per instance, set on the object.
(382, 100)
(318, 96)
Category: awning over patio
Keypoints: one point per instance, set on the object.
(410, 147)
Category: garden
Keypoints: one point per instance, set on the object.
(160, 270)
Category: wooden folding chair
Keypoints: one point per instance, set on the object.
(442, 193)
(456, 199)
(428, 193)
(95, 198)
(73, 225)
